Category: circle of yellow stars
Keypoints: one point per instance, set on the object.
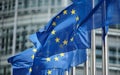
(57, 39)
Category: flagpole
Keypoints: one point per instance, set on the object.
(105, 57)
(104, 46)
(86, 64)
(14, 29)
(73, 71)
(93, 56)
(66, 72)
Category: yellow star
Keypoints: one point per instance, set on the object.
(48, 59)
(77, 18)
(54, 23)
(62, 54)
(57, 40)
(30, 70)
(49, 72)
(34, 50)
(71, 39)
(56, 58)
(65, 12)
(32, 56)
(53, 32)
(73, 11)
(65, 42)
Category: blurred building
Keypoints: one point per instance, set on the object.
(32, 15)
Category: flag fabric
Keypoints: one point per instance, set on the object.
(96, 15)
(22, 62)
(53, 71)
(113, 12)
(62, 43)
(62, 61)
(61, 33)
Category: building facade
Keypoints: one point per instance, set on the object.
(32, 15)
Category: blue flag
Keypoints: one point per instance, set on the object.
(61, 33)
(112, 17)
(22, 62)
(62, 44)
(62, 61)
(113, 12)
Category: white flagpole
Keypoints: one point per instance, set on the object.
(105, 57)
(104, 46)
(14, 29)
(93, 56)
(66, 72)
(86, 65)
(73, 71)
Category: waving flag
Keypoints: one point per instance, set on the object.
(61, 33)
(63, 41)
(22, 62)
(112, 16)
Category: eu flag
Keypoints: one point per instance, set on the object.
(61, 33)
(22, 62)
(113, 12)
(111, 15)
(59, 62)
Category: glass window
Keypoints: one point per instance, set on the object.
(112, 51)
(99, 59)
(59, 2)
(33, 3)
(20, 4)
(0, 6)
(119, 61)
(113, 26)
(46, 2)
(53, 2)
(98, 52)
(119, 52)
(112, 60)
(40, 2)
(26, 3)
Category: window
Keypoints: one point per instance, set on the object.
(40, 2)
(119, 52)
(59, 2)
(112, 51)
(26, 3)
(99, 59)
(0, 6)
(53, 2)
(98, 50)
(20, 4)
(112, 60)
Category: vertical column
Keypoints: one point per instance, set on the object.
(86, 67)
(49, 9)
(66, 73)
(93, 56)
(73, 71)
(93, 52)
(104, 44)
(105, 57)
(15, 27)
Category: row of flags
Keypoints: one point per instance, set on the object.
(62, 43)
